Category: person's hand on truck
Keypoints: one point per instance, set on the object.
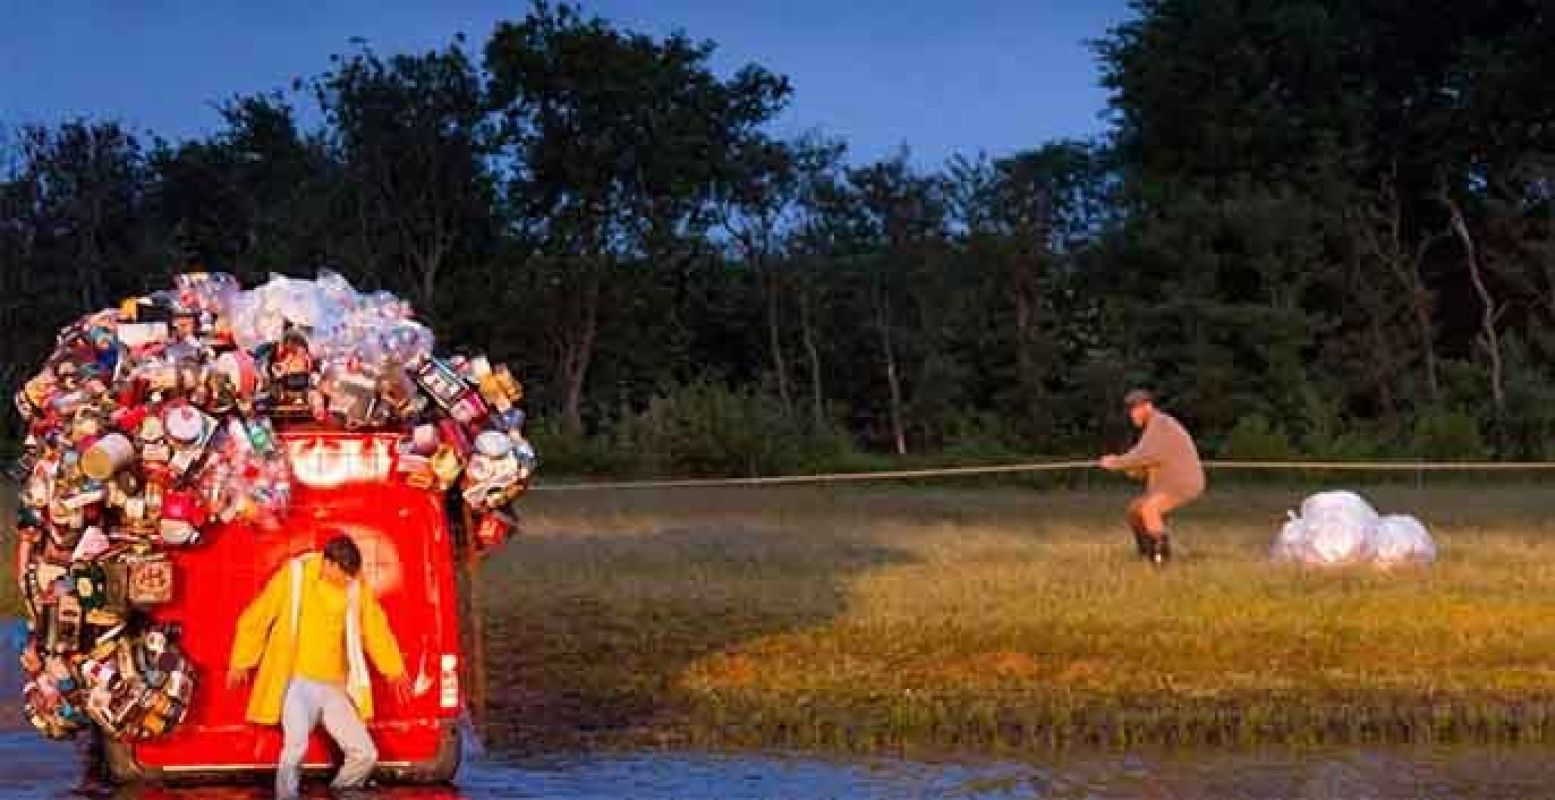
(404, 689)
(237, 678)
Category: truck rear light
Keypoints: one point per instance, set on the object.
(448, 697)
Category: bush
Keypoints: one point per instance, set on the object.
(1255, 438)
(1448, 435)
(565, 453)
(707, 429)
(979, 438)
(1359, 445)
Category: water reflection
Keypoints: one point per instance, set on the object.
(32, 770)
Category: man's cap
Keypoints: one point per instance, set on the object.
(1137, 396)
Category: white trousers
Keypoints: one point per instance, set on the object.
(307, 704)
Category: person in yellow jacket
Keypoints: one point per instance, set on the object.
(306, 633)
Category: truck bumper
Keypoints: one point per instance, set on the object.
(122, 767)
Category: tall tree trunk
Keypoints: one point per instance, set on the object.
(1027, 362)
(807, 332)
(1426, 332)
(430, 266)
(893, 378)
(578, 352)
(1490, 313)
(1405, 264)
(774, 335)
(1382, 379)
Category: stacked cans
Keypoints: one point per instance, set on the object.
(154, 421)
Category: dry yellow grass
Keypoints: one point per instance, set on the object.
(867, 618)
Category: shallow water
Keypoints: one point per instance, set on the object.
(34, 769)
(31, 769)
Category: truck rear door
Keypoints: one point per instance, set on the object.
(345, 486)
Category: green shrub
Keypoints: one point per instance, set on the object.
(565, 453)
(979, 438)
(1255, 438)
(1448, 435)
(704, 429)
(1357, 445)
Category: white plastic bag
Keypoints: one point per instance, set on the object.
(1292, 538)
(1344, 503)
(1337, 528)
(1400, 539)
(1338, 536)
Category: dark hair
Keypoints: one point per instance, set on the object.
(1137, 396)
(342, 552)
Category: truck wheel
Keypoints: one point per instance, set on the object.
(440, 769)
(449, 755)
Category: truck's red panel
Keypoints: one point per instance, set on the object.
(404, 537)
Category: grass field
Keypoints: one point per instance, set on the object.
(885, 618)
(1005, 619)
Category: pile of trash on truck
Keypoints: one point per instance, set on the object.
(155, 422)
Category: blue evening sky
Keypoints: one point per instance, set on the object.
(942, 77)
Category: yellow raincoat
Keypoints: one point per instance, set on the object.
(266, 638)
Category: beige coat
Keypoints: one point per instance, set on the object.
(1167, 456)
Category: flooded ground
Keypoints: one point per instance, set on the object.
(31, 769)
(34, 769)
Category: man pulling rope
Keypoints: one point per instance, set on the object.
(1167, 459)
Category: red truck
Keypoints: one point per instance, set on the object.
(344, 483)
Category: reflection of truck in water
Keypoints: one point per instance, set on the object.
(345, 484)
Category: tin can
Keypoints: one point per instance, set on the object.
(135, 335)
(353, 399)
(134, 510)
(153, 726)
(180, 686)
(150, 580)
(493, 444)
(40, 391)
(493, 529)
(454, 437)
(99, 673)
(185, 425)
(107, 456)
(441, 383)
(416, 470)
(155, 642)
(239, 367)
(81, 500)
(64, 634)
(129, 417)
(31, 663)
(158, 704)
(425, 439)
(261, 436)
(469, 409)
(184, 459)
(446, 465)
(106, 650)
(501, 389)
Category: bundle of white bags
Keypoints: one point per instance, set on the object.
(1339, 528)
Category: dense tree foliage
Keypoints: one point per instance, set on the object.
(1320, 226)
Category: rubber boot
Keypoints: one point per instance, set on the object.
(1144, 543)
(1161, 549)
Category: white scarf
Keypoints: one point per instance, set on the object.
(358, 684)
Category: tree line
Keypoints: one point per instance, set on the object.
(1314, 226)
